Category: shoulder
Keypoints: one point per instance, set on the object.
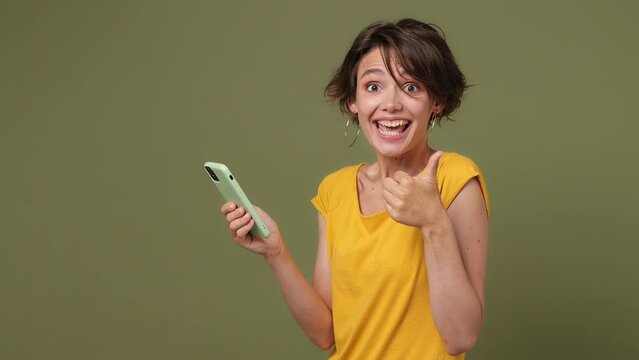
(453, 172)
(335, 187)
(341, 176)
(452, 163)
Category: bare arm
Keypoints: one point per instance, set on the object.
(307, 304)
(322, 271)
(456, 250)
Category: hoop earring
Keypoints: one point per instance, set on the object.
(429, 134)
(431, 125)
(348, 122)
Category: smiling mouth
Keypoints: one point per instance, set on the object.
(392, 127)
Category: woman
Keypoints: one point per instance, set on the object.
(402, 249)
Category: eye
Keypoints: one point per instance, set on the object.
(411, 88)
(373, 87)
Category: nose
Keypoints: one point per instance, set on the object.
(391, 101)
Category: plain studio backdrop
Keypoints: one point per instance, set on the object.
(112, 245)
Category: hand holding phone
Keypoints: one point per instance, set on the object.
(231, 191)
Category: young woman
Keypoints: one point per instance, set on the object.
(403, 241)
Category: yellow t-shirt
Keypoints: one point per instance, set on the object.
(381, 307)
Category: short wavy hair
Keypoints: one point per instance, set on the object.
(419, 48)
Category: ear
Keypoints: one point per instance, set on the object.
(352, 106)
(438, 107)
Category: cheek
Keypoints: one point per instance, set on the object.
(421, 111)
(367, 104)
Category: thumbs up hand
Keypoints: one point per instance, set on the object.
(414, 201)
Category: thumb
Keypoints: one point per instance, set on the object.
(268, 220)
(431, 168)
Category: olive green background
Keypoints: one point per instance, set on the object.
(112, 245)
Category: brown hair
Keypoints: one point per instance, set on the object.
(418, 47)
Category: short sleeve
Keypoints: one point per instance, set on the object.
(334, 188)
(321, 199)
(453, 173)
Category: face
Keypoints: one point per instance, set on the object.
(392, 115)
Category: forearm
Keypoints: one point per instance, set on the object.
(455, 305)
(309, 310)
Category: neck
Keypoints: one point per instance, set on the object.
(412, 163)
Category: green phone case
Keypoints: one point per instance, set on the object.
(231, 190)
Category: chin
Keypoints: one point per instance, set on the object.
(390, 150)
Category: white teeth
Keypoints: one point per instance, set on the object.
(392, 127)
(393, 123)
(389, 132)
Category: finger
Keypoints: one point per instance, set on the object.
(228, 207)
(390, 199)
(268, 221)
(390, 210)
(391, 186)
(238, 223)
(431, 168)
(399, 191)
(239, 212)
(401, 177)
(244, 230)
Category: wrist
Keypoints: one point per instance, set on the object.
(277, 255)
(441, 226)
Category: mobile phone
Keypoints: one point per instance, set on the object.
(231, 190)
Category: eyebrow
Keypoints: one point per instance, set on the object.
(372, 71)
(403, 74)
